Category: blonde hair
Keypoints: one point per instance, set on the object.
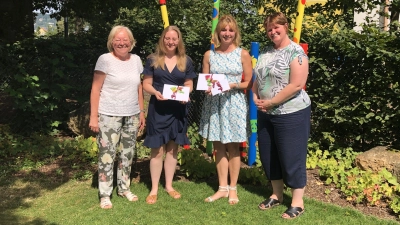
(114, 31)
(224, 21)
(276, 18)
(158, 56)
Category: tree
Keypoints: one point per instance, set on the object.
(195, 25)
(394, 11)
(17, 17)
(16, 20)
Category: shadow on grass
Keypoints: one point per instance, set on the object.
(20, 188)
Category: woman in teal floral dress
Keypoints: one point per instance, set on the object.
(224, 119)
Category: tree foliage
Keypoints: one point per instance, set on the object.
(47, 78)
(354, 87)
(195, 25)
(352, 81)
(16, 20)
(48, 73)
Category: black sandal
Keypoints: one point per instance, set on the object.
(268, 204)
(293, 212)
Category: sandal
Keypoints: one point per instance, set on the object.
(221, 189)
(233, 201)
(174, 194)
(128, 195)
(293, 212)
(151, 199)
(105, 203)
(268, 203)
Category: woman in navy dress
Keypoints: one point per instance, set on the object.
(166, 120)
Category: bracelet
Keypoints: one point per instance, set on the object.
(142, 111)
(237, 85)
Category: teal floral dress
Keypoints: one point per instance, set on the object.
(225, 116)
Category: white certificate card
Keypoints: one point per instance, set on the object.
(175, 92)
(217, 82)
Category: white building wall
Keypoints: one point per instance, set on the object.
(374, 17)
(377, 15)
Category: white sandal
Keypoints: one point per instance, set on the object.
(128, 195)
(105, 203)
(233, 201)
(222, 189)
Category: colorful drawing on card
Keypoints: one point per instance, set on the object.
(217, 83)
(175, 92)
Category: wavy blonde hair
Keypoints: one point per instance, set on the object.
(224, 21)
(114, 31)
(158, 56)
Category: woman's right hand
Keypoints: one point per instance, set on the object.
(208, 91)
(94, 124)
(159, 96)
(256, 99)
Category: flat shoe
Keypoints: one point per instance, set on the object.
(233, 201)
(220, 189)
(293, 212)
(151, 199)
(128, 195)
(105, 203)
(268, 204)
(174, 194)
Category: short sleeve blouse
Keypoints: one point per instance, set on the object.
(273, 74)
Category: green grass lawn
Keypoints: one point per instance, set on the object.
(44, 201)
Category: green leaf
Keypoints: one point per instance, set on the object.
(369, 115)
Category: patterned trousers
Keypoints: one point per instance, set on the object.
(116, 133)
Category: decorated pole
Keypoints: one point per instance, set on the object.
(215, 15)
(297, 26)
(299, 20)
(164, 13)
(252, 152)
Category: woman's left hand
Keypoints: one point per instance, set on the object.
(142, 121)
(263, 105)
(184, 102)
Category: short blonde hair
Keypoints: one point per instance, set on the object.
(224, 21)
(276, 18)
(114, 31)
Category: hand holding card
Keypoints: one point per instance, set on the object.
(175, 92)
(217, 82)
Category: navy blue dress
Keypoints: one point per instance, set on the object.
(167, 120)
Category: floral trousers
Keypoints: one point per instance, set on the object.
(117, 134)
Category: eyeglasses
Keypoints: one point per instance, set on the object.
(171, 39)
(121, 40)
